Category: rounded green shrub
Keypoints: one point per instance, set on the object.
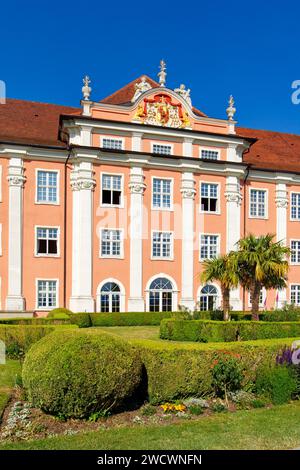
(82, 320)
(59, 313)
(277, 383)
(78, 373)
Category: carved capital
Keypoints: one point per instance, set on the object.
(16, 180)
(234, 196)
(281, 202)
(137, 188)
(80, 183)
(188, 193)
(136, 183)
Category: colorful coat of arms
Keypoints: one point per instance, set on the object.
(161, 111)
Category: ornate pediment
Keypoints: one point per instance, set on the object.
(161, 110)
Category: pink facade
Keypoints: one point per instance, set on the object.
(120, 212)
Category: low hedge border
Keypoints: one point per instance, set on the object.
(85, 320)
(215, 331)
(35, 321)
(19, 338)
(179, 370)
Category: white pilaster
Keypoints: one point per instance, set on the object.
(281, 201)
(137, 187)
(14, 299)
(82, 184)
(233, 226)
(187, 276)
(187, 147)
(136, 144)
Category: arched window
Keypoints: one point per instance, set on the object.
(110, 297)
(208, 297)
(160, 295)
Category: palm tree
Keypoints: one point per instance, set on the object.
(261, 263)
(224, 270)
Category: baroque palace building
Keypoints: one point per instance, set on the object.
(113, 206)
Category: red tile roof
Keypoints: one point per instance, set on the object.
(29, 122)
(276, 151)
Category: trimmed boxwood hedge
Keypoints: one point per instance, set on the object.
(179, 370)
(215, 331)
(77, 373)
(129, 318)
(19, 338)
(35, 321)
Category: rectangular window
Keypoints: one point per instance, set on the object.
(161, 197)
(111, 190)
(261, 299)
(46, 241)
(295, 251)
(295, 294)
(295, 206)
(210, 154)
(111, 243)
(209, 197)
(113, 144)
(161, 244)
(47, 294)
(47, 190)
(162, 149)
(208, 246)
(258, 203)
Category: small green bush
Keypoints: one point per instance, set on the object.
(59, 313)
(257, 403)
(214, 331)
(196, 410)
(289, 313)
(75, 373)
(227, 375)
(82, 320)
(277, 383)
(130, 318)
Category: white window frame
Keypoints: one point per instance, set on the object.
(168, 209)
(107, 137)
(291, 285)
(121, 255)
(210, 149)
(218, 211)
(163, 258)
(49, 203)
(43, 255)
(45, 309)
(174, 291)
(294, 263)
(121, 205)
(266, 216)
(218, 235)
(264, 296)
(122, 293)
(291, 219)
(162, 144)
(219, 295)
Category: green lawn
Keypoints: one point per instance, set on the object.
(8, 374)
(134, 332)
(276, 428)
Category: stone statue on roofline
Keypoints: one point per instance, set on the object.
(86, 89)
(140, 88)
(184, 93)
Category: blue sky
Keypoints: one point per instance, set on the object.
(249, 49)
